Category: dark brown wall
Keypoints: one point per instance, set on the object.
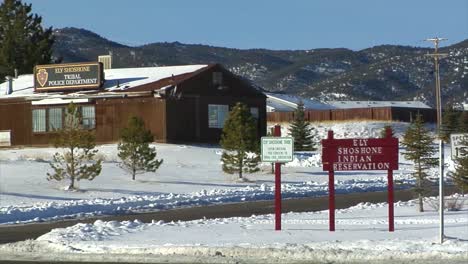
(187, 118)
(187, 112)
(201, 84)
(15, 115)
(112, 115)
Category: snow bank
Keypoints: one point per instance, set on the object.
(361, 237)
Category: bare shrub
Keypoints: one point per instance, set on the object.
(453, 203)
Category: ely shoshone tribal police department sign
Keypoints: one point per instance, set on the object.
(70, 76)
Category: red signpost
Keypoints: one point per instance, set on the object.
(360, 154)
(277, 186)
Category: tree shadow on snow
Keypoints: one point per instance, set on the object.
(203, 183)
(35, 196)
(122, 191)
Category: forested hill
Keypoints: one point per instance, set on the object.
(386, 72)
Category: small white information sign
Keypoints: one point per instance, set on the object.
(277, 149)
(5, 138)
(457, 145)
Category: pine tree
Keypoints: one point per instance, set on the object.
(460, 175)
(301, 131)
(134, 150)
(78, 161)
(449, 123)
(240, 142)
(23, 41)
(419, 149)
(463, 122)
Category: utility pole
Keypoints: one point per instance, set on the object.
(436, 55)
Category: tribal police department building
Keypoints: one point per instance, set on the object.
(186, 103)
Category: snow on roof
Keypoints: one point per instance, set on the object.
(287, 102)
(133, 77)
(366, 104)
(115, 79)
(23, 85)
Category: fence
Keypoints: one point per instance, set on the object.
(373, 113)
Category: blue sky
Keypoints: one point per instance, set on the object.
(270, 24)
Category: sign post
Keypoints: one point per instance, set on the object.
(277, 187)
(278, 150)
(331, 193)
(360, 154)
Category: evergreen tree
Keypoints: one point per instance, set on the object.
(134, 150)
(240, 142)
(301, 131)
(78, 161)
(463, 122)
(460, 175)
(23, 41)
(419, 149)
(449, 123)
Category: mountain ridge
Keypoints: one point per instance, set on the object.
(383, 72)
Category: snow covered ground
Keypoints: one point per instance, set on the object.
(361, 236)
(190, 176)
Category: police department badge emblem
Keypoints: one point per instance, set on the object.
(42, 77)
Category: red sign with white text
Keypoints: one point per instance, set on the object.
(360, 154)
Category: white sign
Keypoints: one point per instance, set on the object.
(277, 149)
(457, 145)
(5, 138)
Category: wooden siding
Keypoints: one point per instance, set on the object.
(187, 118)
(15, 115)
(180, 117)
(113, 114)
(375, 113)
(187, 111)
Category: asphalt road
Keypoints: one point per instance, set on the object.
(20, 232)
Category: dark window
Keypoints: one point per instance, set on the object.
(217, 115)
(217, 78)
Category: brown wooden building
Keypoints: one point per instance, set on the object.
(178, 104)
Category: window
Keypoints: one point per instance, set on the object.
(88, 117)
(217, 78)
(217, 115)
(39, 120)
(51, 119)
(254, 112)
(55, 118)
